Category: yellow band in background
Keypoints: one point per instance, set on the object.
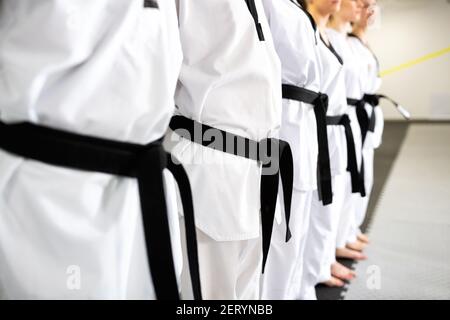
(415, 62)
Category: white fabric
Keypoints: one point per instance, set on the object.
(371, 82)
(284, 268)
(320, 244)
(354, 75)
(361, 211)
(229, 270)
(102, 68)
(321, 238)
(295, 42)
(347, 217)
(333, 84)
(229, 80)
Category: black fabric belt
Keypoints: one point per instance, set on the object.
(367, 123)
(361, 113)
(364, 124)
(373, 100)
(143, 162)
(151, 4)
(352, 165)
(263, 152)
(254, 12)
(320, 103)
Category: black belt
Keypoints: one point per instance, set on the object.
(144, 162)
(352, 165)
(320, 102)
(364, 124)
(151, 4)
(259, 151)
(363, 118)
(367, 123)
(374, 100)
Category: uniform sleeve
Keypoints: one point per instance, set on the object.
(169, 11)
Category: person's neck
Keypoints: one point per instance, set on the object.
(320, 18)
(338, 24)
(361, 33)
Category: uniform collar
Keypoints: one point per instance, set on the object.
(310, 17)
(333, 51)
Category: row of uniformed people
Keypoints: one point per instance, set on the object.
(317, 54)
(89, 195)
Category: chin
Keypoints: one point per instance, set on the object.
(356, 18)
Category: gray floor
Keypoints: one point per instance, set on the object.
(385, 156)
(409, 257)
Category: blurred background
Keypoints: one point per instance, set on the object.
(408, 219)
(412, 41)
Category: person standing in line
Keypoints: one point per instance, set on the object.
(339, 24)
(304, 127)
(87, 209)
(370, 83)
(228, 108)
(319, 261)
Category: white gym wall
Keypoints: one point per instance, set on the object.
(408, 30)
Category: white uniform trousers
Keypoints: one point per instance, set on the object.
(321, 239)
(362, 204)
(229, 270)
(283, 273)
(347, 218)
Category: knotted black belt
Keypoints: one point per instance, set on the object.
(373, 100)
(352, 165)
(262, 151)
(363, 118)
(367, 122)
(144, 162)
(320, 103)
(364, 124)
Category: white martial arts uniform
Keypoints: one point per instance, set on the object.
(321, 237)
(229, 80)
(295, 40)
(371, 82)
(101, 68)
(353, 75)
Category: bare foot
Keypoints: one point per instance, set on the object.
(334, 282)
(363, 238)
(342, 272)
(357, 245)
(350, 254)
